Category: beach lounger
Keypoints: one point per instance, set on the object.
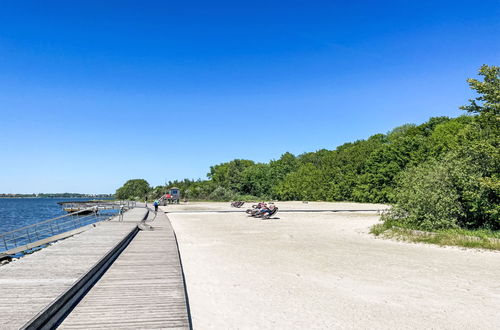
(269, 214)
(237, 204)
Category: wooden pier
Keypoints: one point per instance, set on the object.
(143, 287)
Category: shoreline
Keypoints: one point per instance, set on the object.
(35, 197)
(77, 231)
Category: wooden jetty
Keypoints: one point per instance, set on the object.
(143, 287)
(92, 206)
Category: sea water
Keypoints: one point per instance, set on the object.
(19, 212)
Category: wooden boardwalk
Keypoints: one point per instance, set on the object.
(147, 274)
(143, 288)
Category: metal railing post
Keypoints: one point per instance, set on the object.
(57, 225)
(28, 233)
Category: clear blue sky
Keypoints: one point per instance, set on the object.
(93, 93)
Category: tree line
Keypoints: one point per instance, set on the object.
(443, 173)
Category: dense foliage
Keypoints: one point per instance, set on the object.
(133, 189)
(459, 185)
(441, 174)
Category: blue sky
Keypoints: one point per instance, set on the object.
(93, 93)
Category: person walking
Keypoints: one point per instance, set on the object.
(156, 205)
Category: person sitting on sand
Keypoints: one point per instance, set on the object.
(268, 210)
(264, 208)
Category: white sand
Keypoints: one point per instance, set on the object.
(226, 206)
(324, 271)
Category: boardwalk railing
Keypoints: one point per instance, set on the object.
(27, 237)
(101, 205)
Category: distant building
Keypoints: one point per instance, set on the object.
(175, 194)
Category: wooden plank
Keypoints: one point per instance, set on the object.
(144, 288)
(31, 283)
(47, 240)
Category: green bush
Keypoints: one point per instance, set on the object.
(460, 190)
(222, 194)
(249, 198)
(136, 189)
(426, 199)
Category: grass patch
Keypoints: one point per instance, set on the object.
(378, 229)
(482, 239)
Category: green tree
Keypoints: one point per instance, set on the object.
(256, 180)
(222, 194)
(133, 189)
(459, 185)
(382, 167)
(487, 103)
(229, 175)
(156, 192)
(460, 190)
(448, 136)
(304, 184)
(346, 164)
(427, 198)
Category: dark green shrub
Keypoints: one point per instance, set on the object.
(460, 190)
(222, 194)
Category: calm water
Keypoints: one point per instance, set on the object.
(20, 212)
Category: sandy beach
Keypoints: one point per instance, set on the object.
(325, 271)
